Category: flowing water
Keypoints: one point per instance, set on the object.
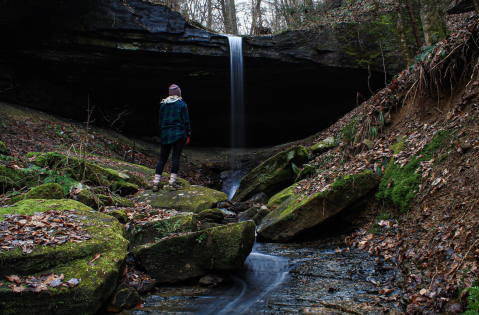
(237, 92)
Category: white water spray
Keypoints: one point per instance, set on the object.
(237, 92)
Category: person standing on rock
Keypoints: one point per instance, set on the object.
(175, 132)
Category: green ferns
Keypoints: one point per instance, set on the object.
(473, 307)
(400, 185)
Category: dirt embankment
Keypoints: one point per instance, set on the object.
(420, 136)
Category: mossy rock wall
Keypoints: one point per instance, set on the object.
(193, 255)
(98, 278)
(17, 178)
(273, 175)
(300, 213)
(153, 231)
(189, 199)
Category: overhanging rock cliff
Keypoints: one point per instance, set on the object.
(55, 55)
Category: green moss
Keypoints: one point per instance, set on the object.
(282, 196)
(189, 199)
(97, 278)
(120, 215)
(45, 191)
(404, 182)
(28, 207)
(3, 149)
(273, 175)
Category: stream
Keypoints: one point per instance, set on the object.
(314, 278)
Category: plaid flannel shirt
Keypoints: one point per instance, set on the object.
(174, 122)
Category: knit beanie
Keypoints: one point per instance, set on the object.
(175, 90)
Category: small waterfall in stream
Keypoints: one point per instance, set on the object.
(237, 92)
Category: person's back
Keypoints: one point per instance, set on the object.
(175, 132)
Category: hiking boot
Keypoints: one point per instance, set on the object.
(156, 187)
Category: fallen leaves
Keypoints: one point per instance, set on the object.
(49, 228)
(39, 283)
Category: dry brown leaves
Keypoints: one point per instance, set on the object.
(49, 228)
(39, 283)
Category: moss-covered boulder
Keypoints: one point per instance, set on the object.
(120, 215)
(116, 201)
(46, 191)
(10, 177)
(282, 196)
(211, 215)
(193, 255)
(94, 262)
(324, 145)
(151, 231)
(30, 206)
(80, 169)
(189, 199)
(3, 148)
(273, 175)
(300, 213)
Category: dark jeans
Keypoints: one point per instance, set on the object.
(165, 152)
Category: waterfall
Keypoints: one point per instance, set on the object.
(237, 92)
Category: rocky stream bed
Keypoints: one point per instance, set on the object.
(311, 278)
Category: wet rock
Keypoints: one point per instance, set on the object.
(211, 215)
(146, 286)
(258, 217)
(248, 214)
(273, 175)
(211, 280)
(240, 206)
(140, 234)
(224, 204)
(124, 299)
(282, 196)
(300, 213)
(197, 254)
(324, 145)
(45, 191)
(95, 263)
(260, 198)
(189, 199)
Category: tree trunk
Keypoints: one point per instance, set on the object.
(256, 18)
(433, 17)
(229, 16)
(415, 28)
(403, 43)
(476, 5)
(209, 23)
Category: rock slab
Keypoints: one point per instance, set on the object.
(193, 255)
(300, 213)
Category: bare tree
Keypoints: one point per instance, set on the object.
(228, 9)
(257, 22)
(433, 17)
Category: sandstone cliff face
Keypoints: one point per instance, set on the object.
(55, 54)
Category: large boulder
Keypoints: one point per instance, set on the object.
(189, 199)
(273, 175)
(45, 191)
(151, 231)
(91, 264)
(196, 254)
(300, 213)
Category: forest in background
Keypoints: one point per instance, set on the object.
(414, 25)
